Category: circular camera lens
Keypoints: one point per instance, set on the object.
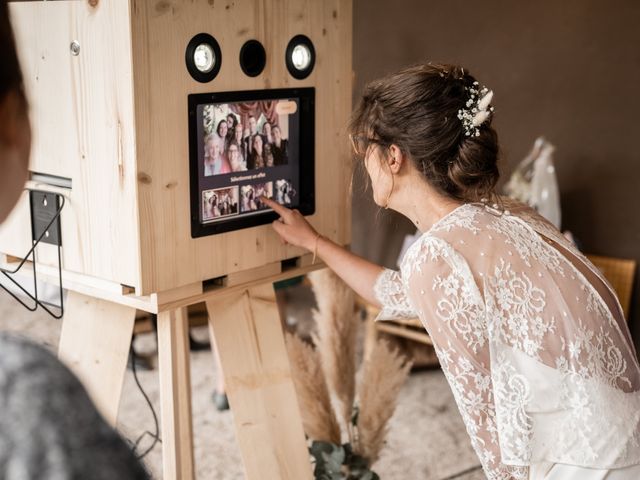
(204, 58)
(301, 57)
(253, 58)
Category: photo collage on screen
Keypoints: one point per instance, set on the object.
(246, 152)
(245, 137)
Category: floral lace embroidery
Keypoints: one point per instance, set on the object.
(461, 311)
(426, 248)
(390, 290)
(544, 228)
(513, 393)
(595, 303)
(527, 246)
(593, 355)
(472, 391)
(516, 307)
(464, 216)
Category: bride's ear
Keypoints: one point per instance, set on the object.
(396, 159)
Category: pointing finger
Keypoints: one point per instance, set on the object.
(279, 209)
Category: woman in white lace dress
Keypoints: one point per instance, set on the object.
(529, 334)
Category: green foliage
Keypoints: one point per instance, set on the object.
(339, 462)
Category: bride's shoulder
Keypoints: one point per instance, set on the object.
(468, 218)
(469, 227)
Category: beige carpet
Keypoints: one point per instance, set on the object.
(426, 438)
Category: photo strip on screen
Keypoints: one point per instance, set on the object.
(284, 192)
(250, 196)
(219, 203)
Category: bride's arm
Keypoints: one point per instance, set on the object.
(360, 274)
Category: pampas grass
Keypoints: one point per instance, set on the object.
(318, 420)
(330, 370)
(383, 376)
(335, 338)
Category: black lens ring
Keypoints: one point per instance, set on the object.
(293, 43)
(203, 77)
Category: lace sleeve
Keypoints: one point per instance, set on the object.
(448, 301)
(389, 290)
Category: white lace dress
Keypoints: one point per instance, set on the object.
(532, 340)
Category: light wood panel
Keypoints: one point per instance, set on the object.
(83, 128)
(94, 344)
(250, 342)
(161, 31)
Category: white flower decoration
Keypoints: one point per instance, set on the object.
(478, 109)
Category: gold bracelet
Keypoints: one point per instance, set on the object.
(315, 249)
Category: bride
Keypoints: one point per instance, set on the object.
(529, 334)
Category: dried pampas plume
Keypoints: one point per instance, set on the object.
(483, 110)
(384, 374)
(335, 338)
(480, 118)
(318, 420)
(486, 101)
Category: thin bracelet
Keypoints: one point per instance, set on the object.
(315, 249)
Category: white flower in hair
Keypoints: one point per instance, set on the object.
(477, 109)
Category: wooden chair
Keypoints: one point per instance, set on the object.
(620, 273)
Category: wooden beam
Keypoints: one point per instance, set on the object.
(175, 395)
(94, 343)
(249, 337)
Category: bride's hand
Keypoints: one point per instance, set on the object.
(292, 227)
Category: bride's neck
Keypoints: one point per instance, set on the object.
(420, 203)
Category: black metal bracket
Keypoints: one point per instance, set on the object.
(45, 208)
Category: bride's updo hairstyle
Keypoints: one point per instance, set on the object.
(419, 109)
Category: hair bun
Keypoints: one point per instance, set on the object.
(474, 170)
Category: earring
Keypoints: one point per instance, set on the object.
(386, 202)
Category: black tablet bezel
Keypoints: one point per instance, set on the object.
(306, 206)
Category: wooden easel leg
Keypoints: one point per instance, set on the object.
(175, 395)
(258, 380)
(94, 343)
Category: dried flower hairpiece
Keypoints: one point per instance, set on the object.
(477, 109)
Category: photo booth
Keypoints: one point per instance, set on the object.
(161, 203)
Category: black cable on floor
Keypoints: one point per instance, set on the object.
(156, 436)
